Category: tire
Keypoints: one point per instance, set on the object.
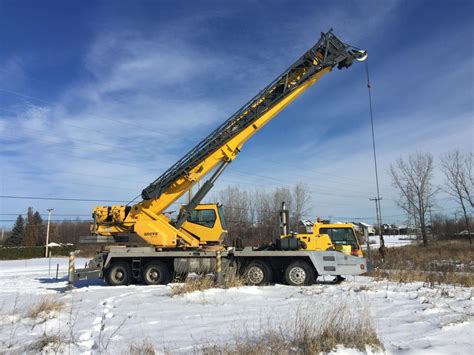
(258, 273)
(156, 273)
(300, 273)
(119, 274)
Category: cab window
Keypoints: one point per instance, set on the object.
(206, 218)
(340, 236)
(221, 217)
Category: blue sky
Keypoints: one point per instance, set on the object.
(98, 98)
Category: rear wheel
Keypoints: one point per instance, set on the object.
(300, 273)
(118, 274)
(156, 273)
(258, 273)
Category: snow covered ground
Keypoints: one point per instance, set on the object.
(410, 318)
(392, 240)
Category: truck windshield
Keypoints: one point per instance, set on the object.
(340, 236)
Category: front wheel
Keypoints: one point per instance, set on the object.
(156, 273)
(118, 274)
(300, 273)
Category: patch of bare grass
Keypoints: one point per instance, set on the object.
(46, 305)
(430, 278)
(200, 283)
(205, 282)
(440, 262)
(306, 333)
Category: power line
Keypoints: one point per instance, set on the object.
(59, 199)
(45, 214)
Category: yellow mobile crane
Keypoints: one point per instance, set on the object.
(191, 242)
(216, 151)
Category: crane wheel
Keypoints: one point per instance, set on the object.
(300, 273)
(156, 273)
(118, 274)
(258, 273)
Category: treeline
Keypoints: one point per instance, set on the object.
(31, 231)
(413, 179)
(448, 227)
(252, 216)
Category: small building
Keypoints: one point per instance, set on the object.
(359, 226)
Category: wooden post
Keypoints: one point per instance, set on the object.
(57, 271)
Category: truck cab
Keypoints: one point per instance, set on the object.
(342, 236)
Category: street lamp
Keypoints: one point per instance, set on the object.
(47, 231)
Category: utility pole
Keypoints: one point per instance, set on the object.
(47, 231)
(379, 219)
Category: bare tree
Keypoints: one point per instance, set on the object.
(238, 213)
(252, 216)
(457, 168)
(413, 179)
(301, 199)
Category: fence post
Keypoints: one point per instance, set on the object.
(49, 268)
(219, 268)
(57, 271)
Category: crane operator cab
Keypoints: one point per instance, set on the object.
(206, 223)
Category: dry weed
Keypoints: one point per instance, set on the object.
(52, 341)
(430, 278)
(144, 347)
(200, 283)
(45, 306)
(306, 333)
(205, 282)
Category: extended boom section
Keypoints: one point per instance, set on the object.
(328, 52)
(218, 149)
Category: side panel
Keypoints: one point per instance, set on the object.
(336, 263)
(325, 262)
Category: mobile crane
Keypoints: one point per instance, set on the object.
(191, 242)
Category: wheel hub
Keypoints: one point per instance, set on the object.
(153, 274)
(119, 275)
(255, 275)
(297, 275)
